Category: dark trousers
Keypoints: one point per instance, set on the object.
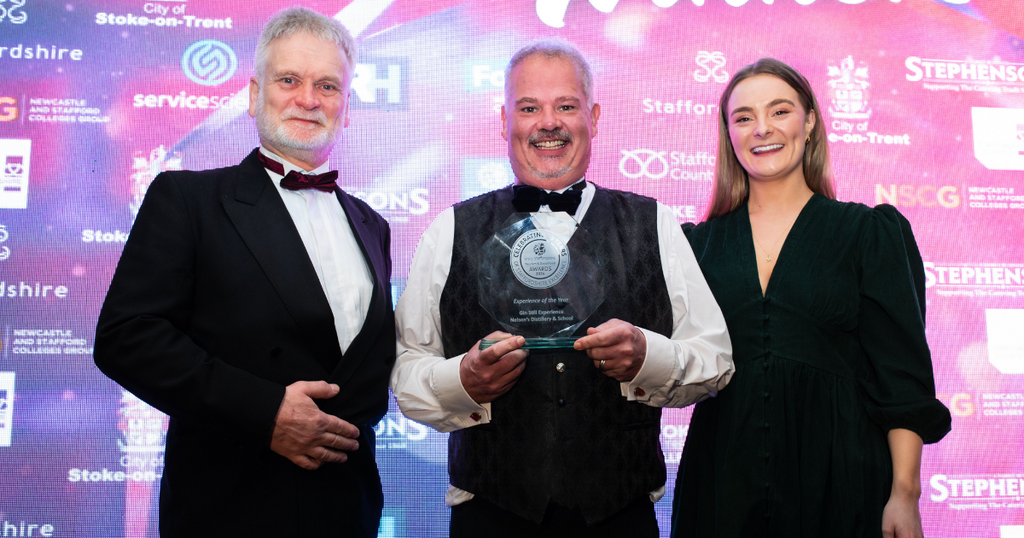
(478, 518)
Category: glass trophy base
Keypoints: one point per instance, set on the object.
(539, 343)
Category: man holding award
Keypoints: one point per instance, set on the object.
(555, 429)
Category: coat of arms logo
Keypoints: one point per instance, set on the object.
(849, 90)
(145, 169)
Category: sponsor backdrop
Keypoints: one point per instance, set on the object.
(923, 102)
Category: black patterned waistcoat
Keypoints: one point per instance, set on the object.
(565, 437)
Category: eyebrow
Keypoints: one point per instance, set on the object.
(532, 100)
(293, 74)
(773, 103)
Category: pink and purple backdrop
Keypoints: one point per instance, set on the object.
(923, 102)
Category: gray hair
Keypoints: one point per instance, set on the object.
(294, 20)
(554, 48)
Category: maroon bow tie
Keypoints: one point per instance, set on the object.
(296, 180)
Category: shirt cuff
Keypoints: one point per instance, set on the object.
(454, 399)
(656, 370)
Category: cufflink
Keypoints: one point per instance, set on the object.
(475, 416)
(639, 391)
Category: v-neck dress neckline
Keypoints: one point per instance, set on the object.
(791, 241)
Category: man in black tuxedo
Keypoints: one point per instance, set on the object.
(252, 304)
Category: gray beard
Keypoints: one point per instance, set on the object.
(552, 175)
(275, 133)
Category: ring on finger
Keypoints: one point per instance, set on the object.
(600, 365)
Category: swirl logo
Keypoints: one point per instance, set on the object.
(712, 64)
(209, 62)
(13, 12)
(643, 159)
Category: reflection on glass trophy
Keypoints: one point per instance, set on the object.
(539, 278)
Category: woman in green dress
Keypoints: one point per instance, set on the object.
(820, 431)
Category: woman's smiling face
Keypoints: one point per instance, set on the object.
(768, 127)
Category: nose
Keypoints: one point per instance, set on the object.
(307, 98)
(762, 127)
(549, 121)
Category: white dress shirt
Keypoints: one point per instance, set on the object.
(333, 249)
(695, 362)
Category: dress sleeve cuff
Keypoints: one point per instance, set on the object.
(447, 386)
(656, 371)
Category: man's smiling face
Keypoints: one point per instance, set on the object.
(547, 124)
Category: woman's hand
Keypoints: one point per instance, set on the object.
(902, 517)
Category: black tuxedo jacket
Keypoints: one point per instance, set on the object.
(213, 310)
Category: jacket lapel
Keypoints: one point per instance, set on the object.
(372, 245)
(262, 220)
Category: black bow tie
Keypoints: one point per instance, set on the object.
(529, 199)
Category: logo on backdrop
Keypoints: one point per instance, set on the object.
(6, 407)
(14, 160)
(655, 165)
(64, 110)
(997, 198)
(684, 213)
(712, 66)
(480, 175)
(12, 290)
(943, 196)
(986, 76)
(975, 279)
(13, 12)
(1006, 404)
(395, 206)
(8, 108)
(380, 84)
(483, 75)
(40, 52)
(999, 137)
(638, 163)
(1005, 340)
(5, 251)
(142, 446)
(678, 107)
(183, 99)
(553, 13)
(673, 439)
(978, 492)
(849, 106)
(849, 90)
(209, 62)
(144, 171)
(395, 433)
(158, 14)
(48, 342)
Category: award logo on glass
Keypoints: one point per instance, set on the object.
(539, 278)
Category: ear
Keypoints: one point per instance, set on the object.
(504, 123)
(811, 120)
(594, 114)
(254, 94)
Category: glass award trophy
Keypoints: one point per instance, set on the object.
(534, 284)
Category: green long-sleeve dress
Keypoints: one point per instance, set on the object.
(829, 359)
